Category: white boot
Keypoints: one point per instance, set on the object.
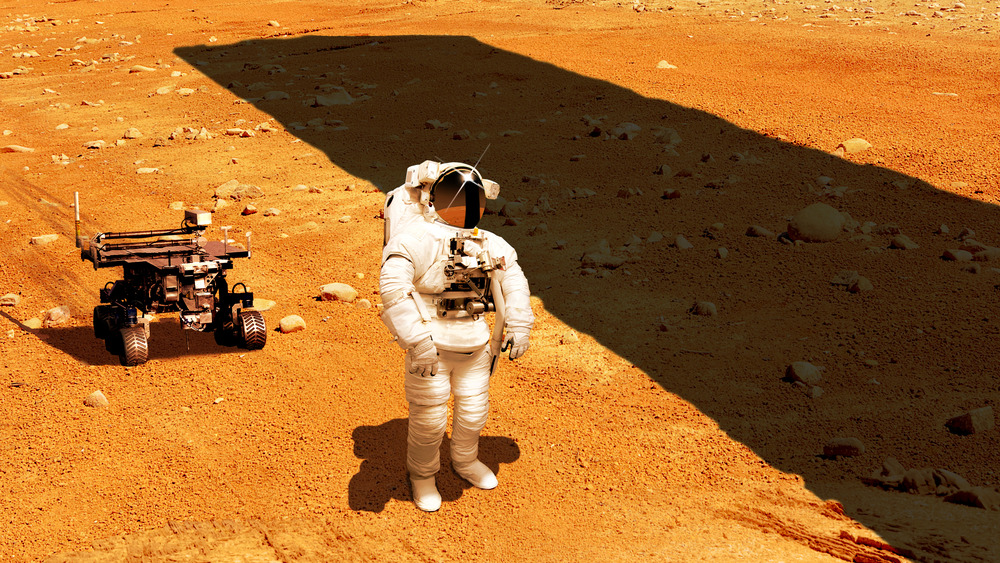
(476, 473)
(425, 494)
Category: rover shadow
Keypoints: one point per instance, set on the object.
(376, 105)
(382, 475)
(167, 340)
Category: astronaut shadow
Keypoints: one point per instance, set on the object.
(382, 476)
(560, 147)
(166, 341)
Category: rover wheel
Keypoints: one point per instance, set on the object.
(252, 330)
(113, 341)
(225, 333)
(101, 321)
(135, 350)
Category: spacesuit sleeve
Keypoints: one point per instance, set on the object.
(516, 295)
(401, 315)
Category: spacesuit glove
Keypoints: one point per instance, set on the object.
(424, 358)
(517, 341)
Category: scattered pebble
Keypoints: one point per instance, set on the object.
(704, 309)
(803, 372)
(44, 239)
(363, 304)
(957, 255)
(271, 212)
(975, 421)
(58, 316)
(33, 323)
(16, 148)
(10, 300)
(337, 292)
(846, 447)
(664, 64)
(861, 284)
(758, 231)
(96, 400)
(855, 145)
(250, 209)
(682, 243)
(569, 337)
(818, 222)
(903, 242)
(292, 323)
(140, 68)
(263, 304)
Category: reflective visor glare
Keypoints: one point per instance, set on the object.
(459, 198)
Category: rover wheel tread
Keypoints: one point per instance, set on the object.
(135, 350)
(253, 329)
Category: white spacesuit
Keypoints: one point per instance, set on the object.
(440, 274)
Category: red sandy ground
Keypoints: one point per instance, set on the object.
(657, 435)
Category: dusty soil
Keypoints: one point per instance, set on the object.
(632, 428)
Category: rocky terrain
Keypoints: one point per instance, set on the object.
(762, 240)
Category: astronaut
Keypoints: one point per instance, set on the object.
(439, 275)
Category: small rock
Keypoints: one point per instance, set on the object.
(682, 243)
(147, 170)
(758, 231)
(601, 260)
(33, 323)
(363, 304)
(569, 337)
(855, 145)
(219, 204)
(663, 170)
(818, 222)
(276, 95)
(57, 316)
(250, 209)
(132, 133)
(98, 144)
(140, 68)
(942, 230)
(654, 236)
(721, 253)
(164, 90)
(804, 372)
(176, 205)
(271, 212)
(337, 292)
(845, 278)
(273, 23)
(96, 400)
(670, 194)
(664, 64)
(847, 447)
(44, 239)
(977, 497)
(16, 148)
(966, 233)
(903, 242)
(704, 309)
(10, 300)
(861, 284)
(975, 421)
(263, 304)
(957, 255)
(292, 323)
(462, 135)
(345, 219)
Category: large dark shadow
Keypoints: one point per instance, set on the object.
(382, 475)
(895, 366)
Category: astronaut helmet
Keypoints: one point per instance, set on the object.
(454, 193)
